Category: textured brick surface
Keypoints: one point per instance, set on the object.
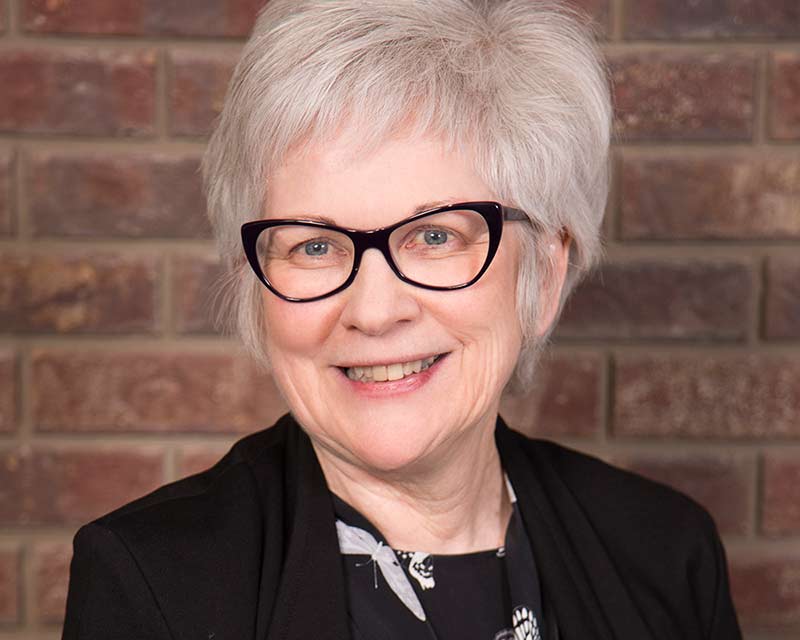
(782, 315)
(197, 296)
(49, 487)
(51, 576)
(150, 391)
(198, 82)
(565, 400)
(784, 96)
(86, 91)
(665, 96)
(194, 459)
(10, 586)
(720, 196)
(9, 390)
(116, 195)
(707, 396)
(7, 218)
(721, 483)
(101, 293)
(598, 10)
(669, 19)
(141, 17)
(650, 299)
(781, 501)
(766, 592)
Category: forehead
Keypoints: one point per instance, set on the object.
(367, 189)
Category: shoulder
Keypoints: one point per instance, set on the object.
(232, 478)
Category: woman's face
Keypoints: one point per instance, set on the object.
(380, 320)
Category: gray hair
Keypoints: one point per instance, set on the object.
(518, 83)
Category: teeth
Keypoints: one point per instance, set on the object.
(394, 371)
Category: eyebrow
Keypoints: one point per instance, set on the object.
(418, 209)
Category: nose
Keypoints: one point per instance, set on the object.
(378, 301)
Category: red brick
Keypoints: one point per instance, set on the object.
(10, 586)
(781, 501)
(196, 295)
(197, 86)
(671, 19)
(657, 299)
(9, 391)
(715, 396)
(49, 487)
(721, 483)
(7, 219)
(78, 91)
(730, 196)
(766, 592)
(564, 400)
(141, 17)
(51, 579)
(101, 194)
(91, 391)
(784, 96)
(100, 293)
(665, 96)
(194, 459)
(782, 305)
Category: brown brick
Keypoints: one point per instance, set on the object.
(652, 299)
(781, 501)
(48, 487)
(51, 579)
(731, 196)
(665, 96)
(9, 391)
(766, 592)
(85, 92)
(194, 459)
(564, 401)
(784, 95)
(7, 218)
(10, 586)
(721, 483)
(141, 17)
(116, 195)
(782, 305)
(196, 293)
(99, 293)
(150, 391)
(197, 86)
(720, 396)
(671, 19)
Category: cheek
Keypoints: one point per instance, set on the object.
(296, 330)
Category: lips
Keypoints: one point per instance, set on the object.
(389, 372)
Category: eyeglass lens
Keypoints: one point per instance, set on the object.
(442, 250)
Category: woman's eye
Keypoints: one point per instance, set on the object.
(316, 248)
(434, 236)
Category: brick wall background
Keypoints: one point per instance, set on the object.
(679, 359)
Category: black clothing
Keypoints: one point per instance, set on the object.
(248, 549)
(486, 595)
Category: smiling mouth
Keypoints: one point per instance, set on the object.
(389, 372)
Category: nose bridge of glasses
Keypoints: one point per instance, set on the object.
(373, 239)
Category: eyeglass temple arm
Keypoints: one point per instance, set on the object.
(513, 214)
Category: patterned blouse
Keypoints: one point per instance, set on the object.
(393, 594)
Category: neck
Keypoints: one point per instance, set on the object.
(456, 503)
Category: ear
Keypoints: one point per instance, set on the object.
(557, 257)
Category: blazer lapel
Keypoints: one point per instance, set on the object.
(578, 578)
(311, 600)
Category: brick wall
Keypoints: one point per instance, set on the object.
(679, 359)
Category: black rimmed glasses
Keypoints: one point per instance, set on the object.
(445, 248)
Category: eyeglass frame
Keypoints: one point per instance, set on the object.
(493, 213)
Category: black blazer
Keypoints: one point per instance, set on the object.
(248, 549)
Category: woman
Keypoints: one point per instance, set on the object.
(404, 194)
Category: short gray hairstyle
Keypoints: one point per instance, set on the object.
(518, 83)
